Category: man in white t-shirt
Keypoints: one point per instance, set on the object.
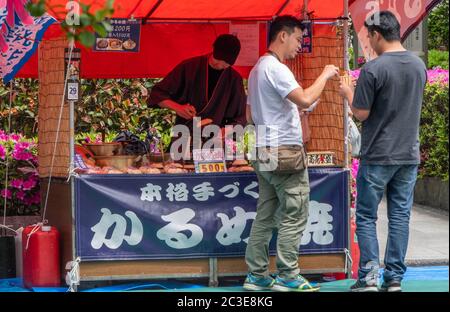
(274, 100)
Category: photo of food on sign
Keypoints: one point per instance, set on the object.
(129, 44)
(102, 43)
(115, 44)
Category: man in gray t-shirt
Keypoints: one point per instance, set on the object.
(388, 100)
(391, 88)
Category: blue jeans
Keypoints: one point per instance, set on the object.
(372, 181)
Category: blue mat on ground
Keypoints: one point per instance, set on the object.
(432, 273)
(434, 278)
(165, 285)
(12, 285)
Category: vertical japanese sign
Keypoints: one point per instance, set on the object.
(124, 37)
(72, 65)
(307, 37)
(120, 217)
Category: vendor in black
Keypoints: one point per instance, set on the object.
(205, 86)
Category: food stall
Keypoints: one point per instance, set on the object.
(162, 220)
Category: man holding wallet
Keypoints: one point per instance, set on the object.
(274, 100)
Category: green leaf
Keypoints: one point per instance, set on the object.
(100, 15)
(87, 39)
(109, 4)
(86, 20)
(100, 30)
(85, 7)
(36, 9)
(107, 26)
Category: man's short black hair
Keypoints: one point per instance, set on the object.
(286, 23)
(226, 48)
(385, 23)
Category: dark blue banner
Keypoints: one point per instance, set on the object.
(194, 216)
(125, 36)
(307, 37)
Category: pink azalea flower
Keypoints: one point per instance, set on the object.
(4, 137)
(20, 195)
(21, 151)
(2, 152)
(27, 201)
(6, 193)
(355, 73)
(355, 166)
(17, 183)
(22, 155)
(36, 198)
(34, 176)
(34, 159)
(29, 184)
(15, 137)
(436, 75)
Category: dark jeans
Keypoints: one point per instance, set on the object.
(372, 181)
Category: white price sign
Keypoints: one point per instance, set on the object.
(72, 91)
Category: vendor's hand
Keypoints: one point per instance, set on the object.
(330, 71)
(186, 111)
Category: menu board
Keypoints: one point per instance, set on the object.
(124, 37)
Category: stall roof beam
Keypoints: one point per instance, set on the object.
(282, 8)
(152, 10)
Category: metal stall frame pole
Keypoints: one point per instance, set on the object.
(213, 273)
(346, 119)
(71, 163)
(346, 68)
(305, 9)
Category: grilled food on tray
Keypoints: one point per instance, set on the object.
(149, 170)
(133, 170)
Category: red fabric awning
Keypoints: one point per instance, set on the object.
(176, 30)
(209, 9)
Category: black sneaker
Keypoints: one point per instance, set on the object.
(392, 286)
(363, 286)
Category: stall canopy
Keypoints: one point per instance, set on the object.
(210, 9)
(174, 30)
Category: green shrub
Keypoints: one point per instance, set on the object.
(24, 108)
(434, 132)
(23, 190)
(438, 26)
(107, 106)
(110, 106)
(438, 58)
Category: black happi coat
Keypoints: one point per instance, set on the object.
(187, 84)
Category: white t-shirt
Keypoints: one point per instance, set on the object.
(269, 83)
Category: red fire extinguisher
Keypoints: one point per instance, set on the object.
(40, 247)
(354, 249)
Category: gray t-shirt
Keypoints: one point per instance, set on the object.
(391, 87)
